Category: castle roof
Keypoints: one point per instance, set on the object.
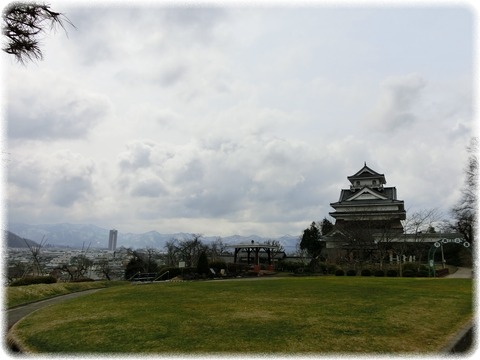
(367, 173)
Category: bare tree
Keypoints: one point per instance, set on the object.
(187, 250)
(190, 250)
(79, 265)
(465, 212)
(275, 251)
(104, 268)
(23, 23)
(358, 240)
(172, 256)
(302, 254)
(417, 227)
(217, 248)
(386, 238)
(37, 267)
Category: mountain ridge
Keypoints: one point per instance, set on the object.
(81, 235)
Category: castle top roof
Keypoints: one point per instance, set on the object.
(367, 173)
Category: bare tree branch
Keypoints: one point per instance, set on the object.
(23, 23)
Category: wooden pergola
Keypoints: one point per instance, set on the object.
(254, 249)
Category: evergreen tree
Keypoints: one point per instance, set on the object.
(326, 226)
(311, 241)
(202, 266)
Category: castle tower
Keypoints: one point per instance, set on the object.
(368, 203)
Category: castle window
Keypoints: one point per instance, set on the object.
(374, 182)
(358, 183)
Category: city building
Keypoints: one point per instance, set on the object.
(112, 240)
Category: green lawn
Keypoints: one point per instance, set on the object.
(328, 315)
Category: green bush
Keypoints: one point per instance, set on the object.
(331, 269)
(291, 266)
(31, 280)
(351, 272)
(339, 272)
(366, 272)
(82, 280)
(422, 273)
(379, 273)
(392, 273)
(203, 266)
(409, 273)
(236, 269)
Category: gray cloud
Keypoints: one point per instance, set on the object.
(68, 190)
(152, 188)
(396, 106)
(136, 156)
(52, 110)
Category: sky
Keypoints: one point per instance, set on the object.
(243, 118)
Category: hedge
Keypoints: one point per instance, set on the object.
(379, 273)
(366, 272)
(30, 280)
(392, 273)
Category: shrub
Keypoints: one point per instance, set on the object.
(409, 266)
(351, 272)
(299, 270)
(409, 273)
(379, 273)
(392, 273)
(331, 269)
(366, 272)
(31, 280)
(82, 280)
(422, 273)
(339, 272)
(291, 266)
(442, 272)
(202, 265)
(236, 269)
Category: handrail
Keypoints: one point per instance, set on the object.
(134, 275)
(158, 277)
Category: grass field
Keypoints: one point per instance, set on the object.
(326, 315)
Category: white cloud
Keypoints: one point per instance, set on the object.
(234, 120)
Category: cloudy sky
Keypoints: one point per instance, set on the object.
(239, 119)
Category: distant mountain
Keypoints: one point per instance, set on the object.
(15, 241)
(79, 235)
(71, 235)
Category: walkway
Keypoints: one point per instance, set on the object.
(461, 273)
(15, 314)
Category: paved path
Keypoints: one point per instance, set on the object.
(15, 314)
(461, 273)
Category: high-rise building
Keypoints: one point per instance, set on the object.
(112, 240)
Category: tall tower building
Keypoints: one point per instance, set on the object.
(112, 240)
